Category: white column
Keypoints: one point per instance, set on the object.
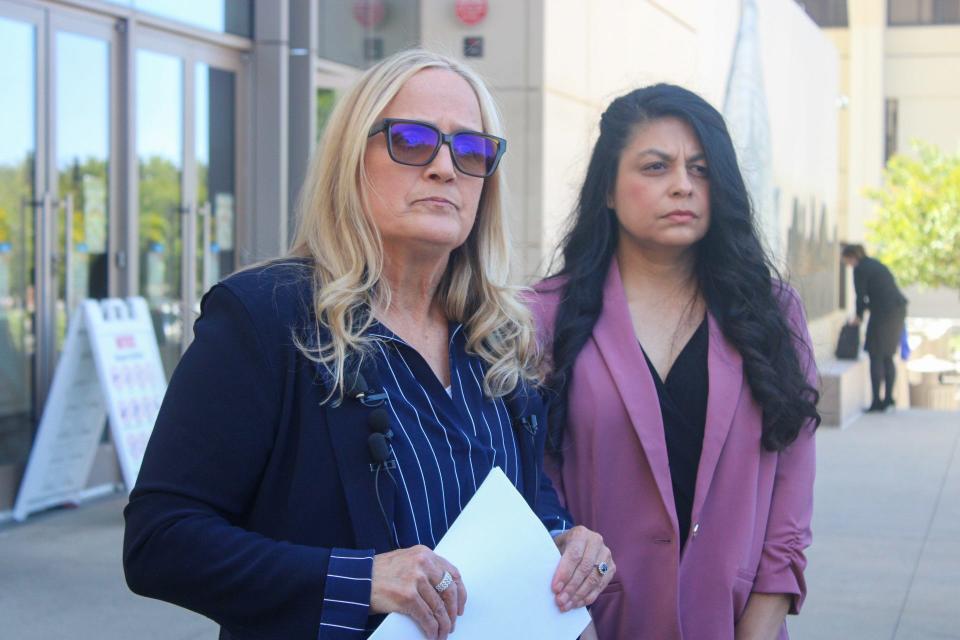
(868, 21)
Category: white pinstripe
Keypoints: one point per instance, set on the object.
(340, 626)
(416, 457)
(483, 415)
(443, 491)
(469, 415)
(446, 436)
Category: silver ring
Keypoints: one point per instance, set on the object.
(602, 568)
(444, 583)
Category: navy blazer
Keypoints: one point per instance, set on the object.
(250, 478)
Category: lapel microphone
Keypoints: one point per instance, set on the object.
(379, 440)
(357, 387)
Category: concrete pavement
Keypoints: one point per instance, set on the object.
(885, 564)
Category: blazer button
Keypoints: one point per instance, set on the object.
(696, 528)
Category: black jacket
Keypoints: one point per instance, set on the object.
(875, 288)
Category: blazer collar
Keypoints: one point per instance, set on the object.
(621, 352)
(725, 374)
(620, 349)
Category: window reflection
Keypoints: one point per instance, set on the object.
(17, 286)
(918, 12)
(83, 142)
(216, 191)
(826, 13)
(159, 157)
(224, 16)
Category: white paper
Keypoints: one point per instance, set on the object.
(507, 560)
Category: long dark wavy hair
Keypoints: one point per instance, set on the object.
(739, 284)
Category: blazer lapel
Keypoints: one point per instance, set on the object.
(725, 372)
(348, 428)
(621, 352)
(526, 408)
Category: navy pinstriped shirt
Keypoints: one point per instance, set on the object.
(444, 443)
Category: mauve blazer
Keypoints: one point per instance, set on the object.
(751, 511)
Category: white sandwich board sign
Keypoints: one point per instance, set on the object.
(110, 366)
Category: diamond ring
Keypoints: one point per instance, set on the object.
(444, 583)
(602, 568)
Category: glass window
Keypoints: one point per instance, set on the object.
(224, 16)
(920, 12)
(826, 13)
(18, 335)
(361, 32)
(890, 127)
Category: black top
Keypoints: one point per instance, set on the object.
(683, 405)
(876, 288)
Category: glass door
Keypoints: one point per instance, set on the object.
(56, 69)
(186, 124)
(215, 155)
(20, 34)
(160, 150)
(80, 164)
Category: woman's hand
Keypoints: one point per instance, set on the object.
(763, 616)
(404, 581)
(578, 580)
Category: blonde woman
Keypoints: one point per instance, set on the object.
(338, 408)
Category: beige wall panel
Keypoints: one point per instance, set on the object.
(841, 42)
(635, 44)
(934, 40)
(923, 76)
(570, 128)
(685, 12)
(517, 164)
(932, 120)
(569, 59)
(801, 74)
(511, 32)
(716, 38)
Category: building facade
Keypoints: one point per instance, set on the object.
(151, 147)
(899, 62)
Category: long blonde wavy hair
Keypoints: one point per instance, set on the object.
(336, 233)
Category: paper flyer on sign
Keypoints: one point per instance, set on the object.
(507, 560)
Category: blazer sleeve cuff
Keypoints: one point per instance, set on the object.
(346, 596)
(786, 579)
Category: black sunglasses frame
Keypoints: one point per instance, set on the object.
(442, 139)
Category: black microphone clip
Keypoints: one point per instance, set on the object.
(379, 440)
(529, 424)
(357, 387)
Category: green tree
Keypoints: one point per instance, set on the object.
(917, 229)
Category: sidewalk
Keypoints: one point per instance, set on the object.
(885, 564)
(885, 560)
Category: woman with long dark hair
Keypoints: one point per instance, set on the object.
(685, 402)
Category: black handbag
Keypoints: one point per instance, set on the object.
(848, 344)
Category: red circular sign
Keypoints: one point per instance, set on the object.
(471, 12)
(369, 13)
